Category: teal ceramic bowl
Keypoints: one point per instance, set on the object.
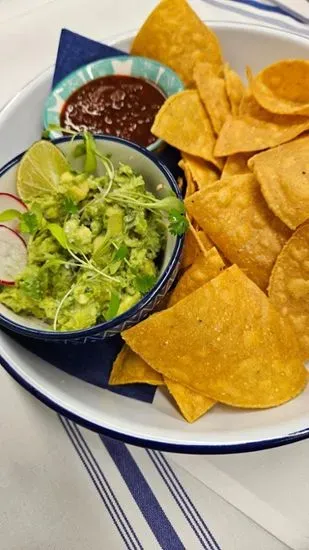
(128, 65)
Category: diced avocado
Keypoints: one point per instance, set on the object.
(128, 301)
(78, 192)
(107, 239)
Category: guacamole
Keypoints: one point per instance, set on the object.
(94, 249)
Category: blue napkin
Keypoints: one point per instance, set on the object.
(90, 362)
(75, 50)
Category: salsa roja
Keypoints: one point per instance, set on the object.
(117, 105)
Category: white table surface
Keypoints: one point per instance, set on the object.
(43, 485)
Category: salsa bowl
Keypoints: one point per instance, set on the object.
(161, 183)
(142, 69)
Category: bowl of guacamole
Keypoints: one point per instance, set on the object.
(102, 224)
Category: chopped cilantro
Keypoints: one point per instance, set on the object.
(31, 287)
(178, 223)
(69, 206)
(145, 283)
(29, 223)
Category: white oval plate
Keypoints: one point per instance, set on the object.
(159, 425)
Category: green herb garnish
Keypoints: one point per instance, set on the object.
(80, 150)
(29, 223)
(9, 215)
(95, 241)
(58, 234)
(121, 253)
(145, 283)
(69, 206)
(178, 223)
(113, 306)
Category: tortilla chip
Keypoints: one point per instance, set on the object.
(289, 285)
(190, 188)
(129, 368)
(256, 129)
(202, 172)
(234, 214)
(283, 174)
(213, 94)
(234, 88)
(236, 165)
(174, 35)
(205, 240)
(183, 123)
(191, 404)
(180, 182)
(283, 87)
(194, 245)
(205, 267)
(190, 185)
(226, 341)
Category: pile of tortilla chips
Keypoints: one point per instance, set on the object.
(235, 328)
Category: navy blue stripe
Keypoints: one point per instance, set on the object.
(262, 19)
(266, 7)
(100, 476)
(179, 502)
(204, 540)
(183, 493)
(143, 495)
(97, 485)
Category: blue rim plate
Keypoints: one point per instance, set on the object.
(220, 433)
(149, 443)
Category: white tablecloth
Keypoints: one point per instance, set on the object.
(63, 487)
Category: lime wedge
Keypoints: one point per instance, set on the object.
(40, 170)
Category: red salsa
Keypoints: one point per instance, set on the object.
(117, 105)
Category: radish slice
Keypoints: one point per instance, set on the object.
(8, 202)
(13, 255)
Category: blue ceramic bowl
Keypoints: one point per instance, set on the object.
(128, 65)
(160, 181)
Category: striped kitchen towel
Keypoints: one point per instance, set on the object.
(290, 15)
